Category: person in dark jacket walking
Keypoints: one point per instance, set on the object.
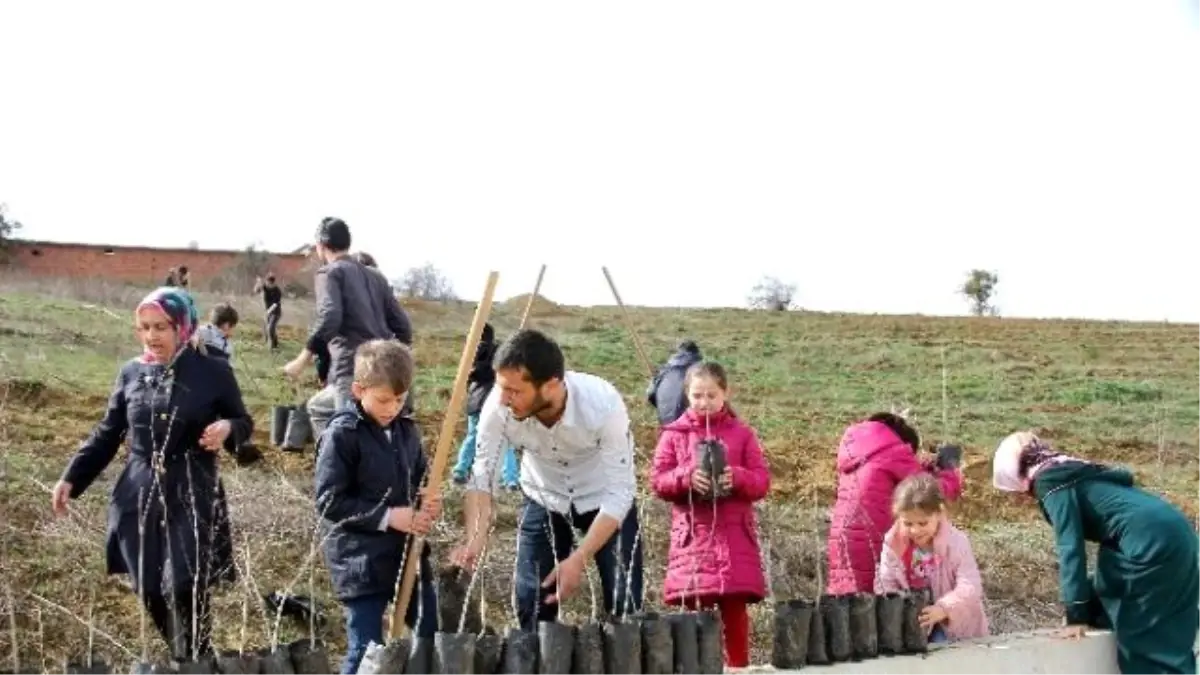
(355, 304)
(273, 304)
(479, 384)
(666, 391)
(176, 409)
(369, 470)
(1146, 580)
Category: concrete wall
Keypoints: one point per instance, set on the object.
(142, 265)
(1012, 653)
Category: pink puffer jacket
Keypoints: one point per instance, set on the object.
(712, 554)
(871, 462)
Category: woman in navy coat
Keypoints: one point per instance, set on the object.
(168, 523)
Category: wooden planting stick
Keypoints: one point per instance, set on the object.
(442, 454)
(637, 343)
(537, 286)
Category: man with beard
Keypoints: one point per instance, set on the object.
(577, 474)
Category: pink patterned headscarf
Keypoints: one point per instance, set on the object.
(176, 304)
(1020, 458)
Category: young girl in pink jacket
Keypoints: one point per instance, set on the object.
(714, 557)
(923, 550)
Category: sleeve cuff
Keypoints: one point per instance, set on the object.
(383, 522)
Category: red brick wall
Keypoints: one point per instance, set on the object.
(142, 265)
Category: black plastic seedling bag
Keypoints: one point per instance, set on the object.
(96, 666)
(588, 656)
(203, 666)
(658, 647)
(277, 662)
(916, 641)
(685, 634)
(864, 631)
(711, 649)
(623, 646)
(454, 653)
(889, 620)
(309, 657)
(299, 429)
(818, 646)
(279, 422)
(389, 658)
(711, 460)
(420, 655)
(792, 622)
(234, 662)
(556, 645)
(520, 652)
(835, 610)
(452, 585)
(489, 652)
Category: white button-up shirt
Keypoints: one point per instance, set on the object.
(584, 461)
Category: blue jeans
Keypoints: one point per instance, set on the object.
(466, 456)
(536, 557)
(938, 635)
(364, 621)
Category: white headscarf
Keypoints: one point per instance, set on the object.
(1023, 447)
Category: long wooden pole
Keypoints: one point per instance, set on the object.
(637, 343)
(442, 455)
(537, 286)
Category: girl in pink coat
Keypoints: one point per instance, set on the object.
(923, 550)
(714, 557)
(873, 458)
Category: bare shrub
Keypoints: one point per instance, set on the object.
(8, 228)
(425, 283)
(771, 293)
(979, 289)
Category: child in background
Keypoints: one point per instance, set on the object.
(369, 469)
(479, 384)
(714, 556)
(923, 550)
(216, 336)
(874, 457)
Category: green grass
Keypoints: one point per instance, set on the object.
(1118, 392)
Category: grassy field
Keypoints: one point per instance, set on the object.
(1119, 392)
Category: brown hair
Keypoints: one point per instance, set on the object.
(919, 492)
(710, 369)
(223, 314)
(384, 362)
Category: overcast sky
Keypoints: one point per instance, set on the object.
(870, 153)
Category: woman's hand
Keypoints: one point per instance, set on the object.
(932, 616)
(59, 498)
(726, 480)
(213, 438)
(1072, 632)
(700, 482)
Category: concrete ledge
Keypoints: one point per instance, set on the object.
(1036, 652)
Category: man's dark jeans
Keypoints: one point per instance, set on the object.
(272, 328)
(364, 621)
(546, 537)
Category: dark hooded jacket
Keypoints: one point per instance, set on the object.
(482, 377)
(666, 391)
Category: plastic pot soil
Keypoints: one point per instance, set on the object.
(915, 639)
(279, 422)
(864, 633)
(588, 656)
(792, 622)
(452, 584)
(454, 653)
(889, 620)
(278, 662)
(623, 646)
(658, 648)
(420, 656)
(711, 652)
(237, 663)
(309, 657)
(298, 430)
(96, 666)
(489, 650)
(685, 634)
(556, 645)
(835, 611)
(388, 659)
(520, 652)
(711, 460)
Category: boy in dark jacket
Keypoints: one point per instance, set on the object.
(666, 391)
(368, 475)
(479, 384)
(217, 335)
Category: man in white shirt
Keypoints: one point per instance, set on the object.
(577, 473)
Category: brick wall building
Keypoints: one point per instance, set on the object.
(144, 265)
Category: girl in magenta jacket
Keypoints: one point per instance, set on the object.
(874, 456)
(714, 557)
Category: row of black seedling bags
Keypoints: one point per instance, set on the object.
(302, 656)
(688, 642)
(848, 628)
(291, 428)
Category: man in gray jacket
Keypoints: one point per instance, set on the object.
(355, 304)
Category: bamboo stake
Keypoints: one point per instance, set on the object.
(537, 286)
(637, 343)
(442, 454)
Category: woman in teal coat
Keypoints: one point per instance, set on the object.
(1146, 586)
